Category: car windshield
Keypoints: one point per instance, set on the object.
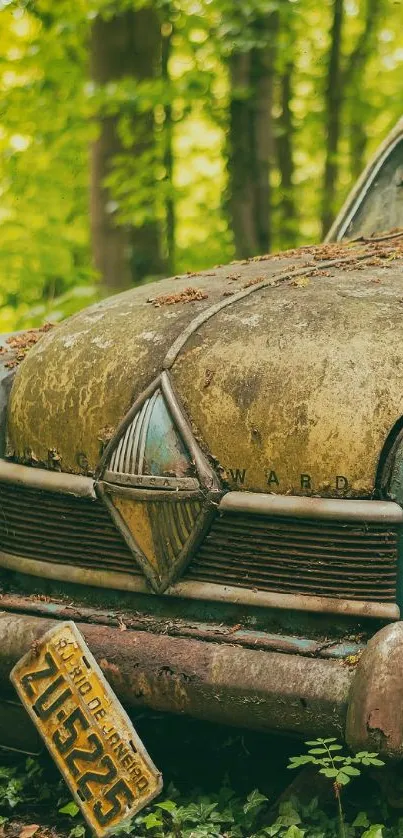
(379, 204)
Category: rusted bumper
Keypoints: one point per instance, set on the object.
(258, 689)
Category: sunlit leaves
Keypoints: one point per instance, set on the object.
(49, 108)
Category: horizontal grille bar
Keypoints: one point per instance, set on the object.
(61, 528)
(345, 559)
(327, 509)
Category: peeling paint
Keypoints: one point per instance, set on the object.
(153, 336)
(374, 719)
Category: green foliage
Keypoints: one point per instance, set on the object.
(224, 814)
(18, 787)
(11, 787)
(44, 140)
(341, 768)
(70, 808)
(77, 831)
(221, 815)
(49, 116)
(227, 816)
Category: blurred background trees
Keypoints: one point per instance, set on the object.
(145, 137)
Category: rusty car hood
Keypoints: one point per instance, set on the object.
(289, 367)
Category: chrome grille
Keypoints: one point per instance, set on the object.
(303, 556)
(61, 528)
(269, 553)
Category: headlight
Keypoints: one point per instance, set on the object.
(158, 485)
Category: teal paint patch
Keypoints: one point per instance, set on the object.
(298, 628)
(165, 453)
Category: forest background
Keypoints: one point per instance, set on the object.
(142, 138)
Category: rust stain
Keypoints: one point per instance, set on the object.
(374, 718)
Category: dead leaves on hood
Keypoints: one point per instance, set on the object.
(20, 344)
(188, 295)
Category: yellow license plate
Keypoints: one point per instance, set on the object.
(85, 728)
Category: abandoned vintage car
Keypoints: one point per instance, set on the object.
(206, 475)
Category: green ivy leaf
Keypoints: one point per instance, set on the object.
(70, 808)
(342, 778)
(288, 814)
(296, 762)
(272, 830)
(253, 800)
(294, 832)
(361, 820)
(13, 792)
(351, 771)
(167, 806)
(152, 820)
(375, 831)
(373, 761)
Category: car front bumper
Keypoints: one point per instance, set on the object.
(355, 698)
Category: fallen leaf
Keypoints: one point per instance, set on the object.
(189, 295)
(29, 830)
(208, 378)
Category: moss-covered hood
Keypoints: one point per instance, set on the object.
(292, 386)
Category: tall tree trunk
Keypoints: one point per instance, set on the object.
(110, 244)
(251, 141)
(352, 83)
(333, 116)
(363, 48)
(239, 160)
(286, 159)
(168, 152)
(262, 103)
(125, 45)
(358, 144)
